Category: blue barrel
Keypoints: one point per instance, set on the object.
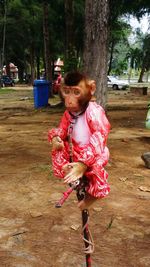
(41, 93)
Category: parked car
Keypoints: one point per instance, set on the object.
(6, 81)
(116, 84)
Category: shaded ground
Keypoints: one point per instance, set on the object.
(35, 234)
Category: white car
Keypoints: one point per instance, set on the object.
(116, 84)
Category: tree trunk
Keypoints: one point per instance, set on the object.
(20, 72)
(111, 57)
(32, 63)
(38, 66)
(145, 66)
(70, 52)
(69, 26)
(4, 36)
(95, 46)
(140, 80)
(48, 69)
(8, 68)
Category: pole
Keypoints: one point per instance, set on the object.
(85, 216)
(79, 186)
(4, 34)
(87, 237)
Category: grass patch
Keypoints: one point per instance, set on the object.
(6, 90)
(111, 222)
(54, 100)
(43, 167)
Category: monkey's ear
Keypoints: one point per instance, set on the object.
(92, 85)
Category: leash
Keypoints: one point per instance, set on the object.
(86, 234)
(79, 186)
(87, 237)
(66, 194)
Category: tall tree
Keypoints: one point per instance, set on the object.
(4, 35)
(47, 57)
(98, 17)
(95, 49)
(146, 57)
(69, 16)
(119, 33)
(70, 51)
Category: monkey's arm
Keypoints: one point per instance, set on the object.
(57, 143)
(74, 171)
(61, 131)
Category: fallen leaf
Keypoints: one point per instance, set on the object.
(97, 209)
(35, 214)
(144, 189)
(123, 179)
(75, 227)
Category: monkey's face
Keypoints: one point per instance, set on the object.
(76, 97)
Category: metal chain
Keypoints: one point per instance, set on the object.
(70, 131)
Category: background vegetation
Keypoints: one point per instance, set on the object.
(35, 33)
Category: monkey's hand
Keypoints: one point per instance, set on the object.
(74, 171)
(57, 143)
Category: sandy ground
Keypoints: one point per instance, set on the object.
(33, 232)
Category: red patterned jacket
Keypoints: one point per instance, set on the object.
(89, 139)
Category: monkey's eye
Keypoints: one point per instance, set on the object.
(66, 91)
(76, 91)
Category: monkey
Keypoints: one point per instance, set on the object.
(79, 144)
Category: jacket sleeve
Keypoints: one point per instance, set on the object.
(61, 131)
(99, 127)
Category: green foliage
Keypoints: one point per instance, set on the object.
(21, 31)
(118, 45)
(135, 56)
(146, 51)
(71, 63)
(24, 30)
(122, 7)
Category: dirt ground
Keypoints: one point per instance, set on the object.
(33, 232)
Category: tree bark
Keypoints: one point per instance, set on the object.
(140, 80)
(70, 50)
(95, 46)
(32, 62)
(4, 36)
(145, 66)
(111, 57)
(69, 27)
(38, 66)
(48, 69)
